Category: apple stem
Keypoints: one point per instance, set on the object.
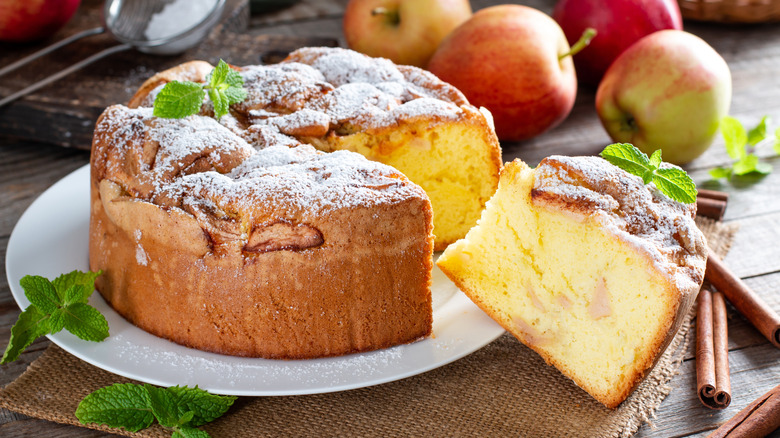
(392, 17)
(583, 42)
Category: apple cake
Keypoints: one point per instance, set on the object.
(337, 99)
(586, 265)
(277, 252)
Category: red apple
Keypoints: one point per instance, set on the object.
(404, 31)
(668, 91)
(31, 20)
(618, 23)
(511, 60)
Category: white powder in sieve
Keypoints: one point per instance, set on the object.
(177, 17)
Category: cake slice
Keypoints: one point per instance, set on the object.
(586, 265)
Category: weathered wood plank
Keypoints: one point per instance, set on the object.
(26, 170)
(755, 250)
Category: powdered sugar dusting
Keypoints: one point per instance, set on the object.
(300, 180)
(344, 67)
(200, 162)
(345, 88)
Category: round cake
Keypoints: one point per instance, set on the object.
(277, 252)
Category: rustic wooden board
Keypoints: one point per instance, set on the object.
(68, 108)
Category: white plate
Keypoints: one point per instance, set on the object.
(51, 239)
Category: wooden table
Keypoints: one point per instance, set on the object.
(753, 54)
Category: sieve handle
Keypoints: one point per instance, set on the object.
(46, 50)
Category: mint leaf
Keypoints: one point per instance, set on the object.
(758, 134)
(135, 407)
(76, 278)
(628, 158)
(671, 181)
(737, 141)
(56, 305)
(745, 165)
(720, 172)
(734, 136)
(189, 432)
(40, 292)
(676, 184)
(655, 159)
(220, 101)
(86, 322)
(56, 321)
(234, 79)
(178, 100)
(164, 406)
(224, 87)
(124, 405)
(218, 75)
(749, 164)
(77, 293)
(205, 406)
(235, 95)
(31, 325)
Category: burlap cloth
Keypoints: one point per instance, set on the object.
(504, 389)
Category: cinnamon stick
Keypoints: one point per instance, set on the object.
(705, 351)
(747, 302)
(721, 344)
(712, 364)
(756, 420)
(713, 194)
(711, 208)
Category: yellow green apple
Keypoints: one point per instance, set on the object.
(668, 91)
(404, 31)
(512, 60)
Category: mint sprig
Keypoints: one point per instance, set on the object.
(56, 305)
(671, 181)
(224, 87)
(134, 407)
(741, 146)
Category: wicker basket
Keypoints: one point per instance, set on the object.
(731, 11)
